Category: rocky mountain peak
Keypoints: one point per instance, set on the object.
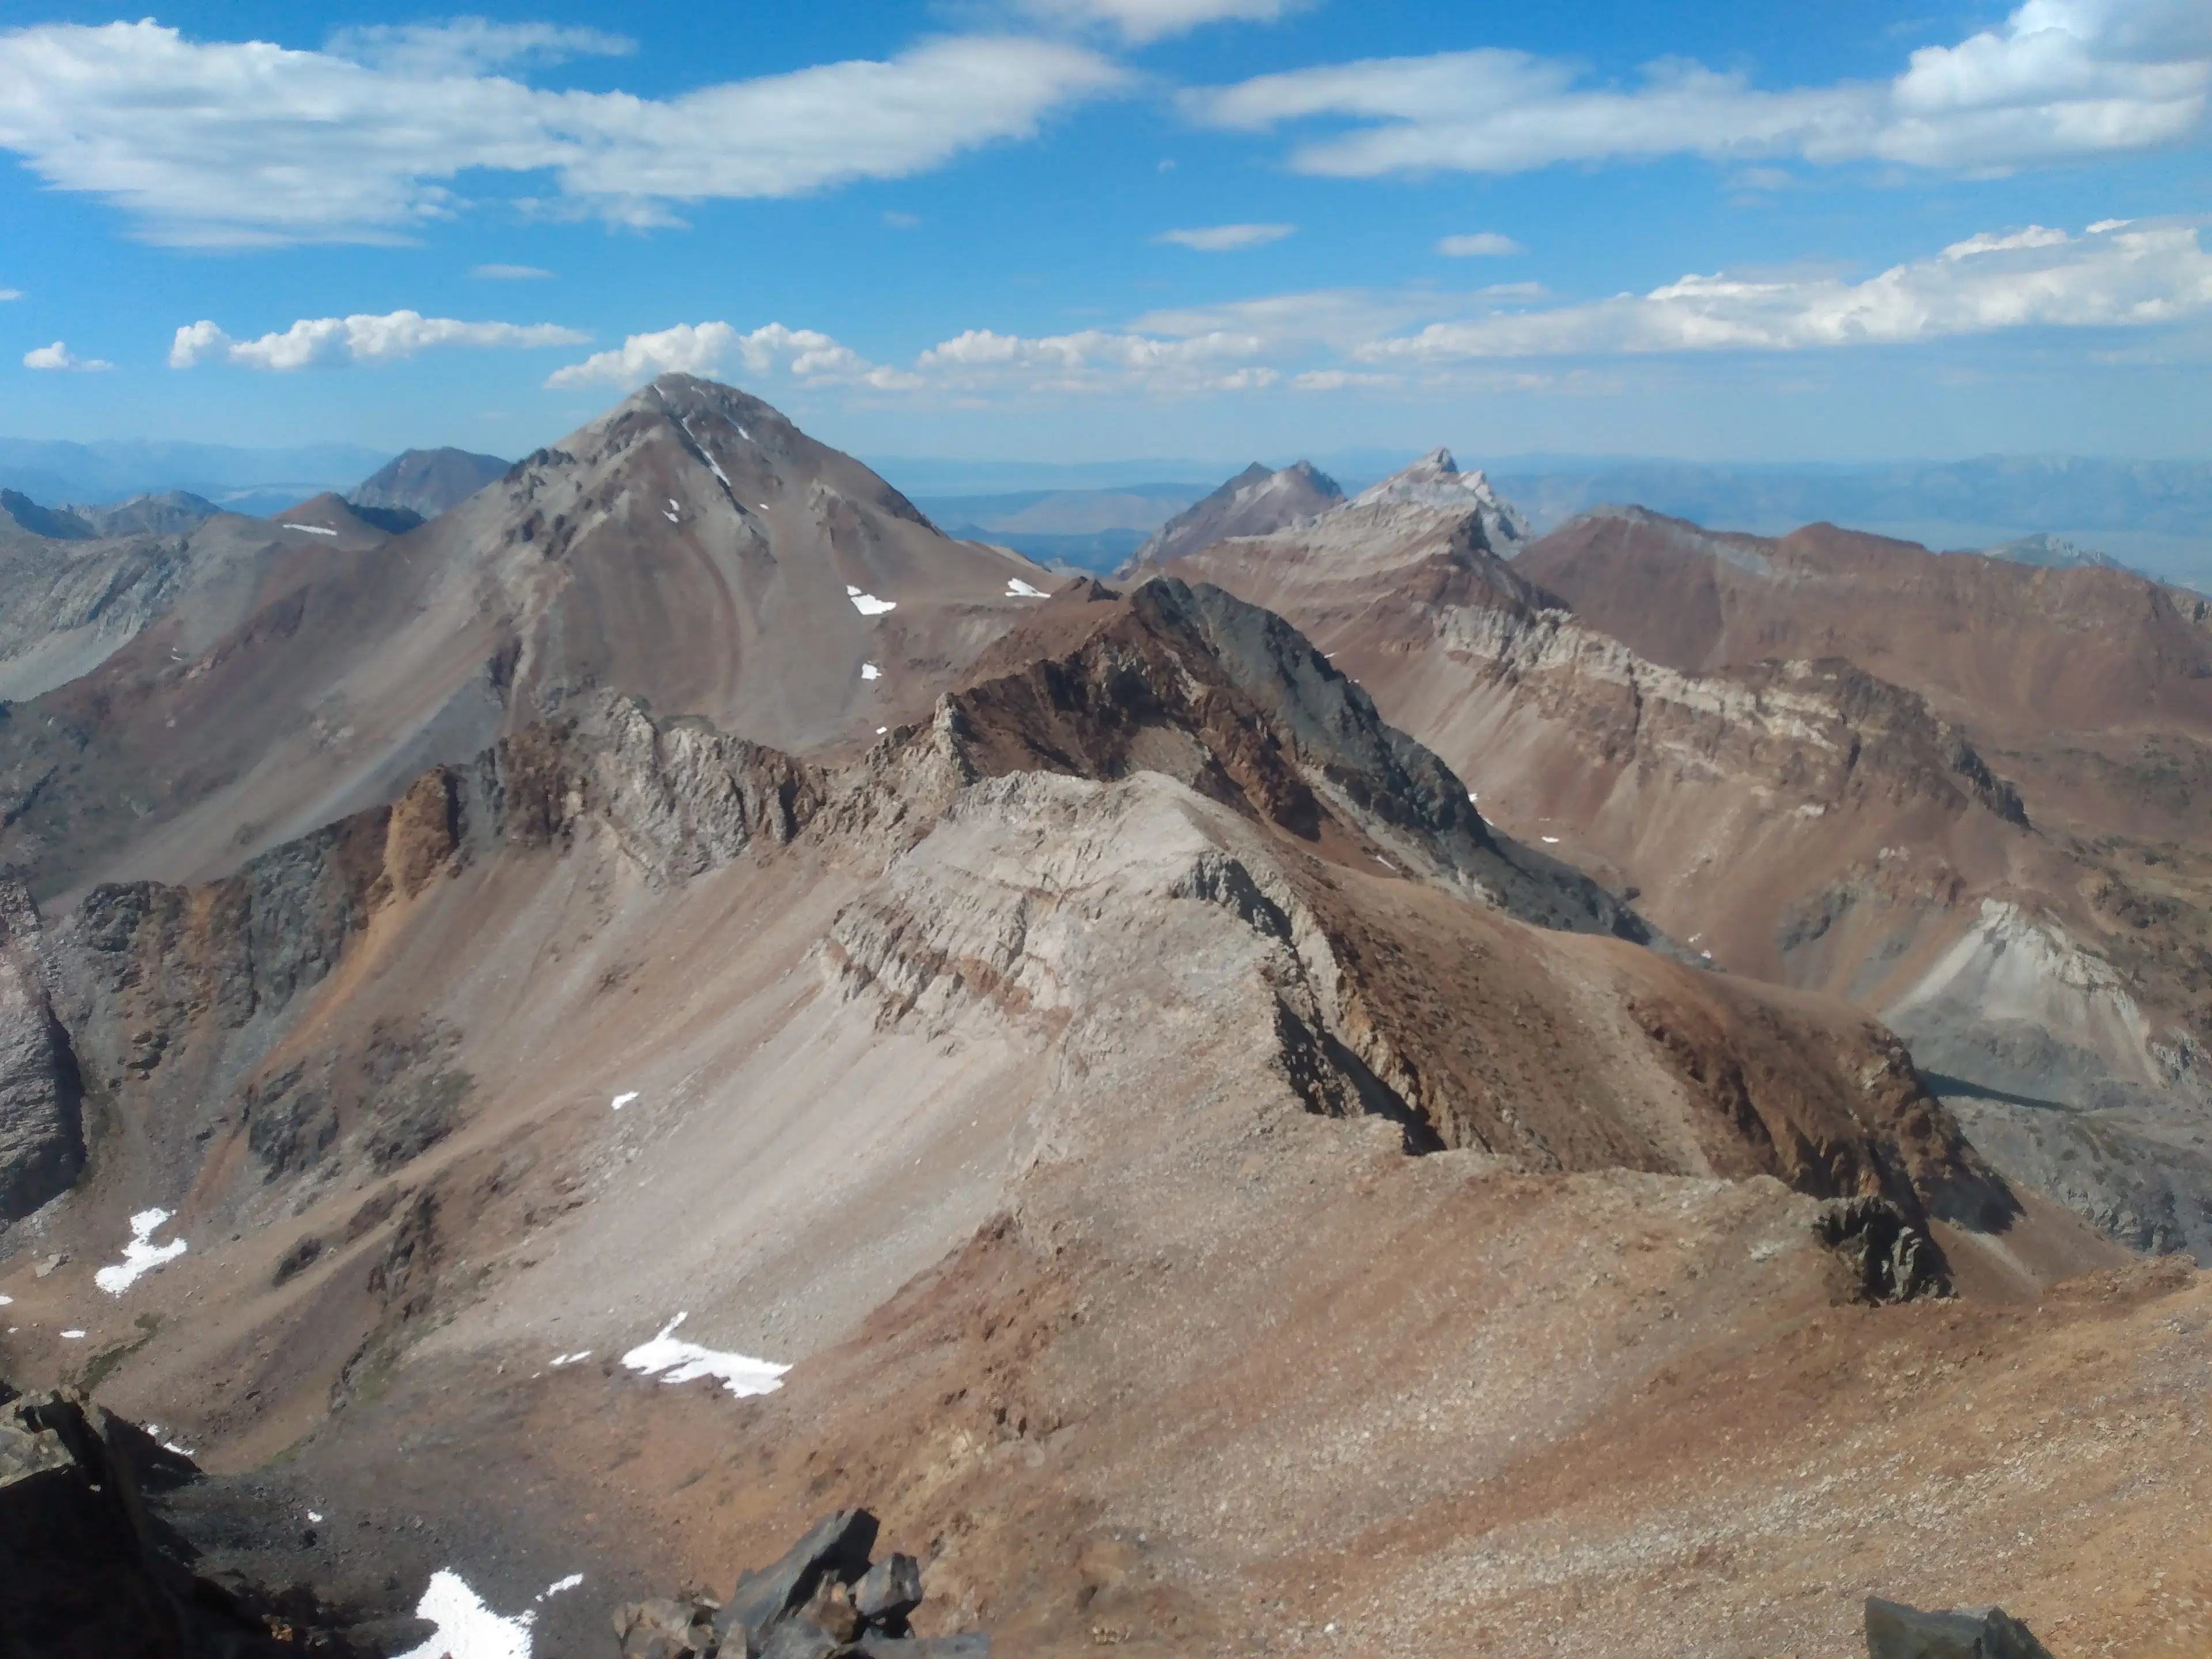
(1257, 502)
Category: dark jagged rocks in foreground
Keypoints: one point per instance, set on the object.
(822, 1599)
(1894, 1630)
(87, 1572)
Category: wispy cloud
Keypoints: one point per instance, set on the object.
(470, 45)
(339, 341)
(509, 273)
(57, 356)
(2116, 276)
(7, 294)
(1140, 20)
(2062, 80)
(898, 220)
(1223, 238)
(1483, 244)
(246, 143)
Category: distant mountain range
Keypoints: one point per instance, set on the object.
(256, 481)
(2154, 515)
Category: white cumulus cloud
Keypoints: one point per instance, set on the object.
(1223, 238)
(57, 356)
(2062, 80)
(1483, 244)
(718, 348)
(244, 143)
(335, 342)
(2115, 278)
(509, 273)
(6, 293)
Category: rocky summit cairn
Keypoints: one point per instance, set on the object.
(822, 1599)
(1894, 1630)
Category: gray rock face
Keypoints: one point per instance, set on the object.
(1894, 1630)
(41, 1131)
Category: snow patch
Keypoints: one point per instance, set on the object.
(560, 1360)
(623, 1100)
(672, 517)
(686, 1361)
(141, 1256)
(314, 1517)
(1550, 841)
(1018, 589)
(467, 1629)
(560, 1584)
(881, 730)
(870, 671)
(311, 529)
(72, 1336)
(867, 604)
(6, 1301)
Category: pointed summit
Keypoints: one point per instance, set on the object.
(1436, 480)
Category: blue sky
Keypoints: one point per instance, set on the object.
(1066, 229)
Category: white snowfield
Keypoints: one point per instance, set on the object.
(870, 671)
(311, 529)
(623, 1100)
(867, 604)
(1018, 589)
(141, 1256)
(675, 1361)
(467, 1629)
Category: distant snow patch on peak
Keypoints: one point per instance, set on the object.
(72, 1336)
(313, 529)
(561, 1359)
(561, 1584)
(870, 671)
(623, 1100)
(705, 453)
(675, 1361)
(467, 1629)
(867, 604)
(141, 1256)
(1018, 589)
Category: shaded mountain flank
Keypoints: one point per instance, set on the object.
(1135, 1122)
(1846, 764)
(1254, 502)
(424, 483)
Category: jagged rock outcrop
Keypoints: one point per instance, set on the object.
(41, 1125)
(1894, 1630)
(822, 1600)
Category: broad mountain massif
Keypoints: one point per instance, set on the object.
(1377, 1084)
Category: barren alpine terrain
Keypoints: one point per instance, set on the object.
(1324, 1097)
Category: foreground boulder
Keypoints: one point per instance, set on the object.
(1894, 1630)
(87, 1573)
(822, 1600)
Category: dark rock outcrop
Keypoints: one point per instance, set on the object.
(1891, 1258)
(41, 1130)
(820, 1600)
(1894, 1630)
(88, 1571)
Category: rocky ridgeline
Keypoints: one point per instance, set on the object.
(823, 1600)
